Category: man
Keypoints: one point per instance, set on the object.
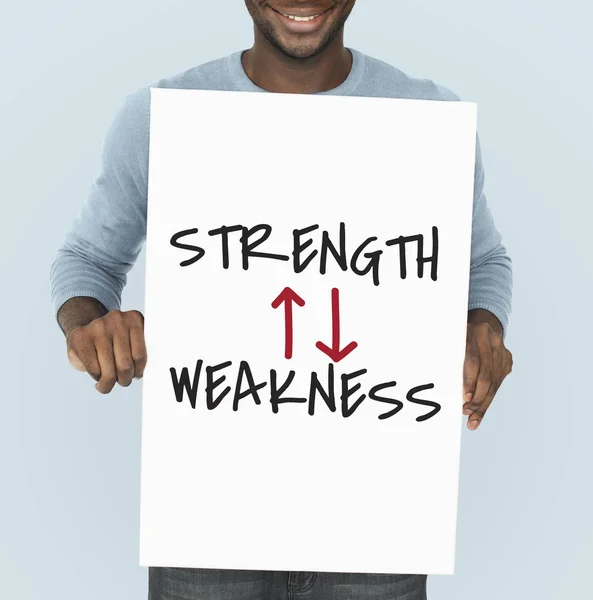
(298, 48)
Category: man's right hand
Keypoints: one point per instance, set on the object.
(111, 348)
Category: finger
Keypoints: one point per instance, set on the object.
(104, 346)
(124, 365)
(498, 352)
(83, 354)
(507, 363)
(75, 360)
(476, 417)
(73, 339)
(505, 366)
(471, 366)
(484, 378)
(138, 349)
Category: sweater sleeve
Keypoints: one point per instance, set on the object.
(491, 272)
(107, 235)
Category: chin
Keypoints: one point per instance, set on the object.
(303, 48)
(301, 51)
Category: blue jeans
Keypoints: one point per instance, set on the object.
(168, 583)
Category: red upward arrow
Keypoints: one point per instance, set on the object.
(288, 296)
(334, 352)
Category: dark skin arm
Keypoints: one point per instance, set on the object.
(108, 345)
(487, 363)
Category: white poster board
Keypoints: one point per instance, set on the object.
(332, 443)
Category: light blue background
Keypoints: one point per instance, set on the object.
(70, 457)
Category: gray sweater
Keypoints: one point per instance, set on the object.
(110, 229)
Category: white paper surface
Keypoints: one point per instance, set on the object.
(257, 489)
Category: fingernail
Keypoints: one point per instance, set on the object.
(473, 425)
(467, 411)
(468, 396)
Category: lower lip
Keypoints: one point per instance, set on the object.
(303, 26)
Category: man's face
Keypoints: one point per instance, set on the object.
(288, 26)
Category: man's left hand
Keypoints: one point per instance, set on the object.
(487, 363)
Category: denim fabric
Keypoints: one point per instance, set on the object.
(167, 583)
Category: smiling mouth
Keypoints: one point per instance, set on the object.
(301, 19)
(295, 18)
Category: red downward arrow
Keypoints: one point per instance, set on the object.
(288, 296)
(334, 352)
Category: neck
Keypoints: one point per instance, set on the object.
(273, 71)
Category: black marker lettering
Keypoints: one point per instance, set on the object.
(224, 236)
(298, 248)
(373, 260)
(347, 392)
(329, 397)
(211, 385)
(340, 256)
(245, 371)
(276, 391)
(199, 251)
(435, 405)
(181, 383)
(397, 403)
(248, 247)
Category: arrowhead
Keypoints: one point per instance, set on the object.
(335, 354)
(288, 295)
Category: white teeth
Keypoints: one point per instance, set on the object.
(301, 18)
